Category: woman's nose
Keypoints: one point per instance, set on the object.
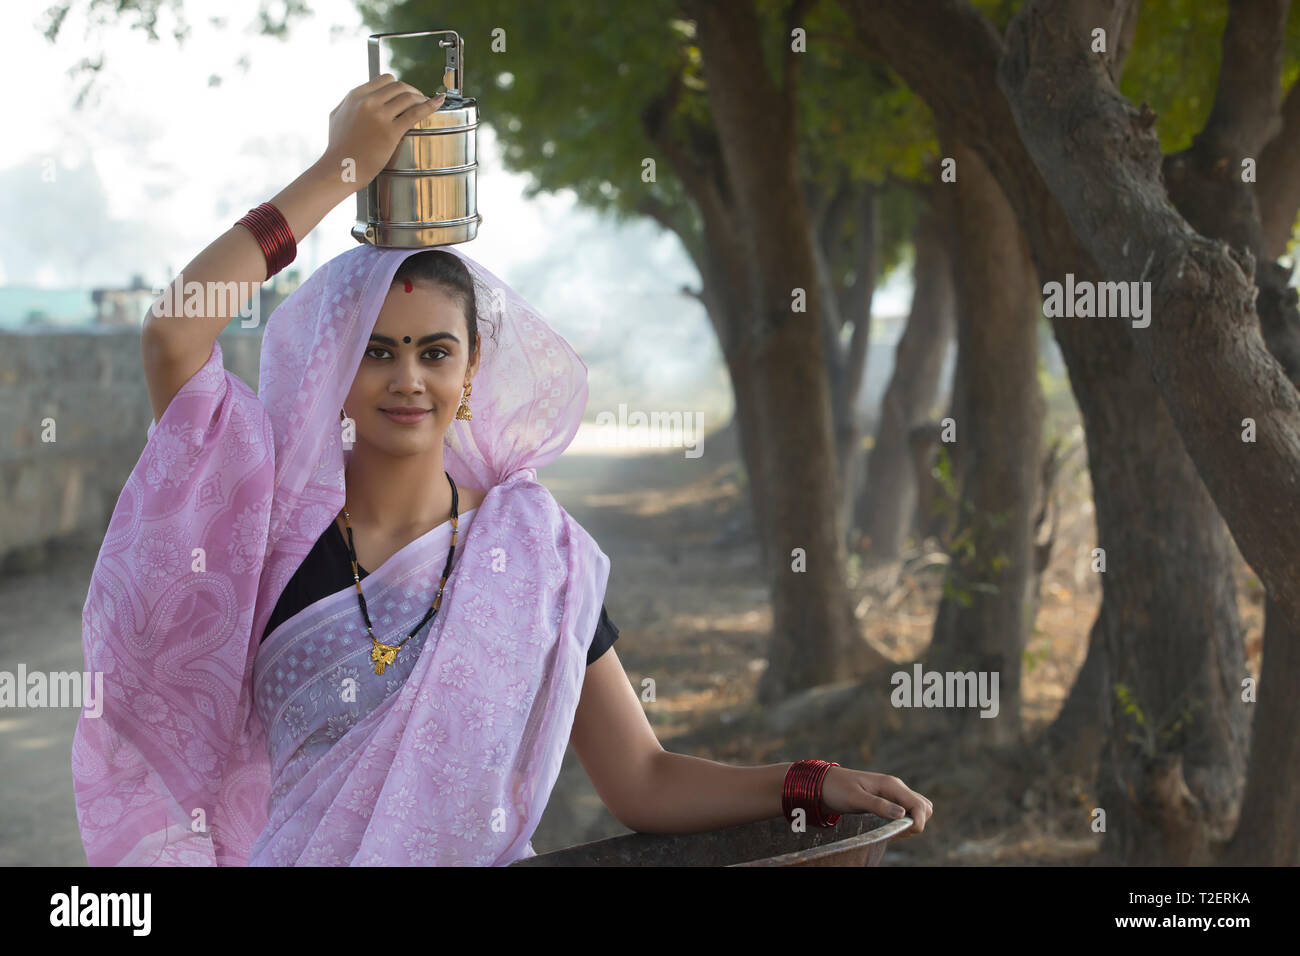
(407, 376)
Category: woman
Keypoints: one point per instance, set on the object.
(420, 718)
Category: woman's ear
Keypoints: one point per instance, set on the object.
(478, 354)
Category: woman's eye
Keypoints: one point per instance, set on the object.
(375, 348)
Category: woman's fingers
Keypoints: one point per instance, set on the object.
(897, 793)
(394, 98)
(887, 808)
(418, 111)
(374, 83)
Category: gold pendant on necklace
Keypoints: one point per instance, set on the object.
(381, 655)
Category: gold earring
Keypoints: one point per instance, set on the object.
(463, 413)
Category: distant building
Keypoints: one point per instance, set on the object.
(35, 308)
(31, 308)
(128, 306)
(122, 307)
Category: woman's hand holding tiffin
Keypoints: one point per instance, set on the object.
(369, 123)
(859, 791)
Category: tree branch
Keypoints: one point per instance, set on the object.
(1279, 178)
(828, 226)
(858, 297)
(700, 169)
(1245, 115)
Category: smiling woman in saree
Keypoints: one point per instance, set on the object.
(393, 743)
(259, 710)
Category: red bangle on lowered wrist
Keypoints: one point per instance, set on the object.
(803, 791)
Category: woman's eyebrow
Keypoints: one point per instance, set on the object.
(428, 338)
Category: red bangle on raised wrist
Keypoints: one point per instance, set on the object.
(272, 232)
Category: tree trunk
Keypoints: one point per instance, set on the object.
(888, 500)
(815, 635)
(1268, 831)
(933, 513)
(1279, 179)
(744, 387)
(1076, 738)
(982, 624)
(855, 306)
(1168, 616)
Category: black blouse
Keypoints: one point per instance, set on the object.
(327, 569)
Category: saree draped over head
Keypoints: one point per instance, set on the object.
(213, 750)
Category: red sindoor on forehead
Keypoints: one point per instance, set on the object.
(408, 284)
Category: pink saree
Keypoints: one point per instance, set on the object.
(213, 750)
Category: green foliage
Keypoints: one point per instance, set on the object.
(976, 564)
(953, 592)
(1031, 657)
(900, 209)
(853, 567)
(1128, 702)
(1152, 736)
(1174, 64)
(943, 473)
(998, 12)
(855, 111)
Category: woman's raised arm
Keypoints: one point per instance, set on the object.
(365, 129)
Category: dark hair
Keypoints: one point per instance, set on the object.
(446, 270)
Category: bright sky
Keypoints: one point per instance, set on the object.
(181, 156)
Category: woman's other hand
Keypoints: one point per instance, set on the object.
(367, 126)
(858, 791)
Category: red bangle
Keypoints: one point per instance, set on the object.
(272, 232)
(803, 791)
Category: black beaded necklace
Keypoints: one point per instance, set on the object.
(381, 655)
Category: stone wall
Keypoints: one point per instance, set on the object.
(61, 494)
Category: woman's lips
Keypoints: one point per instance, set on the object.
(406, 418)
